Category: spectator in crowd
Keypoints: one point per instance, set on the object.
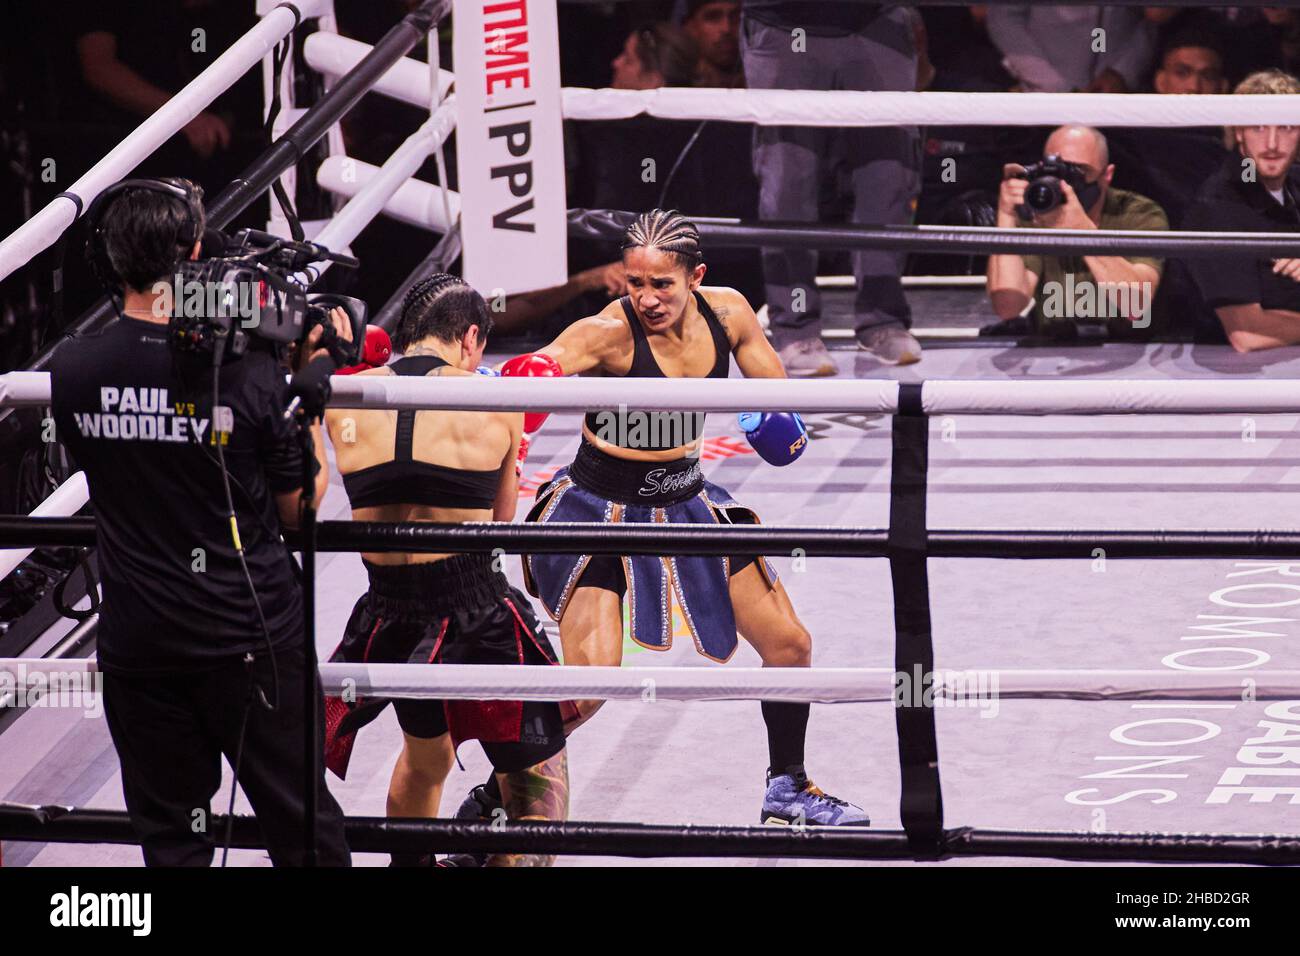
(714, 25)
(1256, 301)
(1253, 38)
(1168, 164)
(1190, 61)
(1058, 49)
(134, 58)
(653, 56)
(1067, 290)
(847, 46)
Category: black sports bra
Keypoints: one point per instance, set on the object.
(658, 431)
(407, 481)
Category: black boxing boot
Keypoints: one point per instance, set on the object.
(481, 804)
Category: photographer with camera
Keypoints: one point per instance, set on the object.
(1072, 295)
(193, 469)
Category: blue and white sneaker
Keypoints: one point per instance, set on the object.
(795, 801)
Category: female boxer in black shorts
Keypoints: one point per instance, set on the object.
(445, 466)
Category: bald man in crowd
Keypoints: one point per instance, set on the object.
(1073, 294)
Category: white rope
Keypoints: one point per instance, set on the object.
(540, 682)
(910, 282)
(24, 389)
(827, 685)
(882, 108)
(43, 230)
(334, 56)
(1110, 397)
(415, 203)
(878, 396)
(574, 394)
(65, 501)
(930, 333)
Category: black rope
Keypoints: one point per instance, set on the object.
(54, 824)
(18, 531)
(609, 224)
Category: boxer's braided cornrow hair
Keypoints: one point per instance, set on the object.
(428, 289)
(443, 305)
(669, 231)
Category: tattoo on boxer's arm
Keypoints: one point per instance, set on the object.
(722, 314)
(539, 792)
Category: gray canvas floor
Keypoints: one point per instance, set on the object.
(1034, 764)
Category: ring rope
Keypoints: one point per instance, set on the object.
(870, 396)
(823, 685)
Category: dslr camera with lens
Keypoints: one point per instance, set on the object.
(1044, 193)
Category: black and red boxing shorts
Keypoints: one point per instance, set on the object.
(454, 611)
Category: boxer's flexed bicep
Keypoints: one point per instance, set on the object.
(754, 354)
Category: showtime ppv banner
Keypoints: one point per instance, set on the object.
(509, 145)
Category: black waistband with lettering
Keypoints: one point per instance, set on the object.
(654, 483)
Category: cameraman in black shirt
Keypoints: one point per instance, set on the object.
(201, 629)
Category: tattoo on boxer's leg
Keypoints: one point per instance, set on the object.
(539, 792)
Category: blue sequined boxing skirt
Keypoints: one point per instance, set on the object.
(601, 488)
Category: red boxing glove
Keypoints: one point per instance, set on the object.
(375, 352)
(533, 364)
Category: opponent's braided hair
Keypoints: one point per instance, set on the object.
(668, 231)
(441, 305)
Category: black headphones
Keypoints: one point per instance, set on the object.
(97, 249)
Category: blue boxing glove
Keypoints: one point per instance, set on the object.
(486, 370)
(778, 437)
